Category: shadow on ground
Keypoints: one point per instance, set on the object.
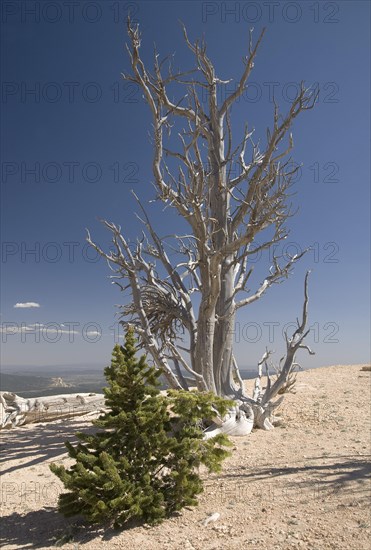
(325, 478)
(46, 527)
(44, 440)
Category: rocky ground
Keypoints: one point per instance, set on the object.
(305, 484)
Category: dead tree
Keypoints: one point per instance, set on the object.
(17, 411)
(225, 213)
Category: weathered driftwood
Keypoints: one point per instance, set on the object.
(16, 410)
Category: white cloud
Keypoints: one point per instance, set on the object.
(93, 333)
(26, 304)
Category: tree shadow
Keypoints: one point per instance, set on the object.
(47, 527)
(46, 441)
(36, 529)
(346, 477)
(348, 469)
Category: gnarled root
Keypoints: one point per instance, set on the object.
(263, 414)
(237, 422)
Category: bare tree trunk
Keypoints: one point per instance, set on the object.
(205, 347)
(223, 353)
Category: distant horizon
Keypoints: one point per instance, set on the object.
(10, 369)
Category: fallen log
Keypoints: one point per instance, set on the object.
(17, 411)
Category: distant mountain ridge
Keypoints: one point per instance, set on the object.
(16, 382)
(27, 385)
(86, 380)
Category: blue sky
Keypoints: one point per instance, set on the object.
(75, 142)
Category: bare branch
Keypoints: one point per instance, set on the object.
(241, 85)
(293, 344)
(277, 275)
